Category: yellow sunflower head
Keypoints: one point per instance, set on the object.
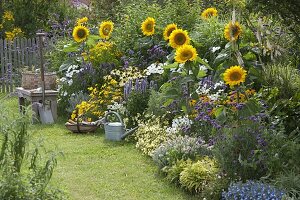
(209, 12)
(83, 20)
(178, 38)
(168, 30)
(148, 26)
(235, 75)
(105, 29)
(80, 33)
(185, 53)
(232, 31)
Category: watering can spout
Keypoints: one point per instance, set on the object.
(128, 132)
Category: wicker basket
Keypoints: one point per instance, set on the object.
(31, 80)
(81, 128)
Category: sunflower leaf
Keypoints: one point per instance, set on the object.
(171, 66)
(71, 47)
(168, 102)
(201, 74)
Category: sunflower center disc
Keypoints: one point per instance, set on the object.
(180, 39)
(106, 30)
(149, 27)
(170, 31)
(234, 30)
(235, 76)
(81, 33)
(187, 55)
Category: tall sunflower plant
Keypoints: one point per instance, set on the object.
(83, 40)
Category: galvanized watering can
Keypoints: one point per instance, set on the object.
(116, 131)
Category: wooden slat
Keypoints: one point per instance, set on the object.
(9, 65)
(2, 65)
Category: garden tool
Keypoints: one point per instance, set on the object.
(116, 131)
(45, 113)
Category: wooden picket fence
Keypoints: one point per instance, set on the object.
(14, 55)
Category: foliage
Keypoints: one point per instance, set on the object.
(31, 16)
(8, 30)
(289, 181)
(284, 77)
(173, 172)
(179, 148)
(287, 12)
(136, 104)
(151, 134)
(155, 103)
(252, 190)
(199, 176)
(23, 175)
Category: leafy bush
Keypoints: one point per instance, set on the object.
(150, 135)
(23, 175)
(156, 100)
(290, 182)
(285, 77)
(196, 177)
(179, 148)
(173, 172)
(252, 190)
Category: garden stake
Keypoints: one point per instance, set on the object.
(45, 113)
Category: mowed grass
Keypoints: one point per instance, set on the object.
(93, 168)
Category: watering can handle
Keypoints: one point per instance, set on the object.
(116, 114)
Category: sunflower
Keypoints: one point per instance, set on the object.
(168, 30)
(232, 31)
(235, 75)
(105, 29)
(178, 38)
(185, 53)
(148, 26)
(82, 20)
(208, 13)
(80, 33)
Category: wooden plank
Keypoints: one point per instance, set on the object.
(2, 64)
(5, 64)
(9, 66)
(22, 51)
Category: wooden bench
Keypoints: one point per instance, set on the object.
(35, 96)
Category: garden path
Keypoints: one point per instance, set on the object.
(95, 169)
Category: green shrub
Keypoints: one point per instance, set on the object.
(136, 103)
(289, 181)
(155, 103)
(202, 176)
(173, 172)
(283, 76)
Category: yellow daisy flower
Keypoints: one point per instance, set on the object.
(234, 75)
(8, 15)
(81, 21)
(208, 13)
(105, 29)
(178, 38)
(185, 53)
(9, 35)
(148, 26)
(232, 31)
(168, 30)
(80, 33)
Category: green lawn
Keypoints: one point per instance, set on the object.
(93, 168)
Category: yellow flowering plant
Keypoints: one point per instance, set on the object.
(7, 28)
(100, 98)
